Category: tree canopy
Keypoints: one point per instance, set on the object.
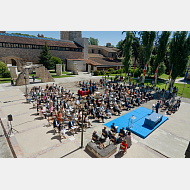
(148, 38)
(92, 41)
(127, 51)
(179, 53)
(45, 57)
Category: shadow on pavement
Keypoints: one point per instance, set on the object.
(57, 137)
(70, 152)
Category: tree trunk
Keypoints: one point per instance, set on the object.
(171, 83)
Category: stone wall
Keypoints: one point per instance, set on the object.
(31, 55)
(81, 65)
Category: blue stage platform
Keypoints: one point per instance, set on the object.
(138, 124)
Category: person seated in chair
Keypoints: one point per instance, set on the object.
(123, 146)
(95, 137)
(55, 124)
(122, 132)
(72, 127)
(113, 128)
(92, 111)
(104, 133)
(113, 139)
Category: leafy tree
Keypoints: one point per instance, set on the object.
(135, 47)
(120, 46)
(55, 60)
(45, 57)
(92, 41)
(148, 38)
(161, 52)
(127, 52)
(179, 54)
(23, 34)
(161, 69)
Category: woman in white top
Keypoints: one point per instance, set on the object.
(86, 120)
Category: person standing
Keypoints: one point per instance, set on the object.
(12, 82)
(33, 77)
(157, 106)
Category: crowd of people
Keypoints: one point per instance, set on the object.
(64, 108)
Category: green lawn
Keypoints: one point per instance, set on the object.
(5, 80)
(55, 76)
(165, 76)
(162, 84)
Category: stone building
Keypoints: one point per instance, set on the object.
(16, 50)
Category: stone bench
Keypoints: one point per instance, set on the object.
(100, 152)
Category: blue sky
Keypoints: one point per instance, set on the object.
(103, 36)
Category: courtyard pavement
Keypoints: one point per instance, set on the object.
(36, 139)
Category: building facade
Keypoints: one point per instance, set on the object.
(16, 50)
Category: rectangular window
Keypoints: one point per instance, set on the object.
(67, 49)
(1, 44)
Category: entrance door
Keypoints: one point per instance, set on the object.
(13, 62)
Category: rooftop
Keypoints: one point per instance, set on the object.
(11, 38)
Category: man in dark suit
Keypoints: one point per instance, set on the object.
(104, 133)
(113, 128)
(122, 131)
(95, 136)
(55, 124)
(157, 106)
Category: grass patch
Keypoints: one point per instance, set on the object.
(5, 80)
(55, 76)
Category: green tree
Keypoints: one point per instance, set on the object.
(179, 54)
(120, 46)
(161, 69)
(55, 60)
(135, 47)
(92, 41)
(45, 57)
(161, 50)
(127, 52)
(148, 38)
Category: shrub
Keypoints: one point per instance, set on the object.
(96, 73)
(102, 72)
(114, 72)
(119, 71)
(136, 73)
(111, 70)
(6, 74)
(107, 72)
(3, 68)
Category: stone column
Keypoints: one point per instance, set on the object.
(63, 67)
(42, 74)
(89, 69)
(13, 71)
(75, 68)
(59, 69)
(95, 68)
(37, 69)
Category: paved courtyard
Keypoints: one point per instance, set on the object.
(36, 139)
